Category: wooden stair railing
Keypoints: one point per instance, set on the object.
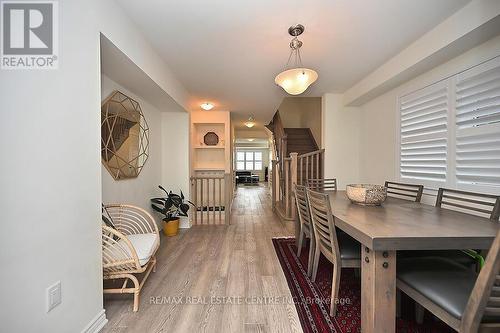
(290, 168)
(279, 136)
(297, 169)
(310, 166)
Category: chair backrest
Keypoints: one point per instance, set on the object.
(130, 219)
(303, 206)
(322, 184)
(485, 297)
(118, 253)
(480, 203)
(404, 191)
(323, 224)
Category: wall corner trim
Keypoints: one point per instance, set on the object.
(97, 323)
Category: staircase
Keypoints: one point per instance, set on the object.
(300, 140)
(297, 159)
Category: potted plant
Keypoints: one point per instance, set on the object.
(172, 206)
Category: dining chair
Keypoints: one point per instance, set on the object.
(469, 202)
(486, 205)
(477, 203)
(305, 225)
(404, 191)
(466, 301)
(339, 248)
(322, 184)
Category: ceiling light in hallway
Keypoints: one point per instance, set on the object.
(297, 79)
(207, 106)
(250, 122)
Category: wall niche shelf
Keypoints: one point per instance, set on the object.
(216, 158)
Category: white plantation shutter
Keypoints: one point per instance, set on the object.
(423, 135)
(478, 126)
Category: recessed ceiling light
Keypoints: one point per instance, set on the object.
(207, 106)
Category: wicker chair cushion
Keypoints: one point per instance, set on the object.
(144, 245)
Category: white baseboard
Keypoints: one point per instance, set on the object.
(185, 223)
(96, 324)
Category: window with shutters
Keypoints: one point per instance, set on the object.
(450, 132)
(424, 123)
(477, 157)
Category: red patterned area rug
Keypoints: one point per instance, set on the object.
(312, 299)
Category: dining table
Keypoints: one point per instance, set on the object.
(395, 225)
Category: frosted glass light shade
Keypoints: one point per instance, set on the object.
(207, 106)
(295, 81)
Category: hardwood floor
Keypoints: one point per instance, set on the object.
(203, 265)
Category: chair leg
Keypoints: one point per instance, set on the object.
(398, 303)
(137, 290)
(357, 273)
(301, 239)
(419, 313)
(136, 300)
(317, 253)
(312, 246)
(335, 289)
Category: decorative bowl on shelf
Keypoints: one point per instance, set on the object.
(211, 139)
(366, 194)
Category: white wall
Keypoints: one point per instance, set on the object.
(378, 140)
(340, 138)
(51, 184)
(175, 157)
(136, 191)
(50, 175)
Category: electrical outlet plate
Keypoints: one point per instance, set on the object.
(53, 295)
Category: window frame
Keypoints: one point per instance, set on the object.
(252, 160)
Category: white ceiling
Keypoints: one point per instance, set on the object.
(229, 51)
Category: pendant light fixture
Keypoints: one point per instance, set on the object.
(297, 79)
(250, 122)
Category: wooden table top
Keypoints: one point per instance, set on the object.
(404, 225)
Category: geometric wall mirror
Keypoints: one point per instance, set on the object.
(124, 136)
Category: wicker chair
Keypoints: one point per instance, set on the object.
(129, 248)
